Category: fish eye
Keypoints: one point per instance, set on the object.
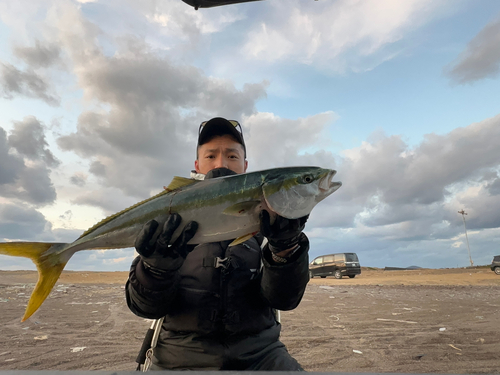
(307, 179)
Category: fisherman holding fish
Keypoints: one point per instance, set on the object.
(218, 301)
(219, 253)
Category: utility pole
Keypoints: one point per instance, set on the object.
(463, 213)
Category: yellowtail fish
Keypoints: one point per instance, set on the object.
(225, 208)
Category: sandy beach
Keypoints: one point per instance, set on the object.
(418, 321)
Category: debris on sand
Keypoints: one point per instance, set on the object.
(357, 351)
(397, 320)
(78, 349)
(454, 347)
(44, 337)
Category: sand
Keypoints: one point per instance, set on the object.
(419, 321)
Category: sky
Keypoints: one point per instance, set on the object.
(100, 103)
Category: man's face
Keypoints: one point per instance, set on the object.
(221, 152)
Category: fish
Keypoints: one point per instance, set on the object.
(225, 208)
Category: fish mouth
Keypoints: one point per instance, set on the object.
(326, 185)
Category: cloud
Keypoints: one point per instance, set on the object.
(9, 164)
(493, 185)
(272, 140)
(396, 192)
(28, 83)
(481, 203)
(78, 179)
(181, 23)
(28, 138)
(146, 110)
(32, 185)
(143, 132)
(337, 36)
(109, 260)
(38, 186)
(26, 181)
(138, 120)
(481, 57)
(151, 82)
(39, 56)
(139, 144)
(111, 200)
(400, 174)
(21, 222)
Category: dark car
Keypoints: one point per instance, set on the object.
(495, 265)
(338, 265)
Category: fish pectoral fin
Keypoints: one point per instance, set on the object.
(49, 265)
(242, 208)
(242, 239)
(179, 182)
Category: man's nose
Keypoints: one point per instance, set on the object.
(221, 162)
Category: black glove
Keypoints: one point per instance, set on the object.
(284, 233)
(159, 257)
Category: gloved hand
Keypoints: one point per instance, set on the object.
(283, 234)
(160, 257)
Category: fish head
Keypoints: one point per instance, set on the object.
(293, 192)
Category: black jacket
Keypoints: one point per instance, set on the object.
(220, 297)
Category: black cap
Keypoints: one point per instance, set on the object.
(220, 126)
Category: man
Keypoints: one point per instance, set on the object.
(217, 301)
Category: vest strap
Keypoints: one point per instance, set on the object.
(217, 262)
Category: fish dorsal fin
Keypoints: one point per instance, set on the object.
(109, 218)
(176, 183)
(179, 182)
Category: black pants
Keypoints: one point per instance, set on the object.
(272, 358)
(260, 352)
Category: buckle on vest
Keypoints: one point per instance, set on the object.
(224, 263)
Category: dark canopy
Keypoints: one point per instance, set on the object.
(213, 3)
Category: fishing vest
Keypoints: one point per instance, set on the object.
(219, 291)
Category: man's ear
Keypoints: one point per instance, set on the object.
(196, 166)
(246, 165)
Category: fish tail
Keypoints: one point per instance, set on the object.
(49, 260)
